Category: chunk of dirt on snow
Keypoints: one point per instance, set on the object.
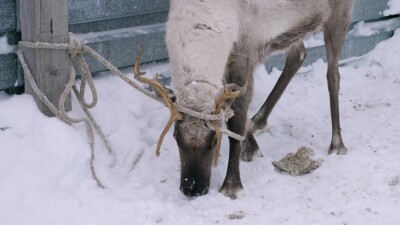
(395, 181)
(298, 163)
(237, 215)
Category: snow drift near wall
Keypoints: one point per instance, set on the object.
(394, 8)
(6, 48)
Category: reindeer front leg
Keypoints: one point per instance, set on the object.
(239, 71)
(294, 58)
(232, 186)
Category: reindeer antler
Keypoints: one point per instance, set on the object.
(231, 91)
(161, 92)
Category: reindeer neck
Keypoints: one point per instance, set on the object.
(200, 40)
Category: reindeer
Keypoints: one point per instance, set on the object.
(213, 40)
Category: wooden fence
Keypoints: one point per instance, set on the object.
(116, 29)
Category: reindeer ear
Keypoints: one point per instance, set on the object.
(171, 94)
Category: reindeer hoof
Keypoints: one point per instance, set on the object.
(258, 127)
(339, 150)
(250, 149)
(247, 155)
(232, 190)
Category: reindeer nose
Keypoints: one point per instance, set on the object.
(191, 188)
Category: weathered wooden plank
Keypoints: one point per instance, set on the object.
(118, 23)
(99, 15)
(118, 15)
(353, 47)
(8, 70)
(89, 10)
(7, 16)
(121, 48)
(17, 14)
(46, 21)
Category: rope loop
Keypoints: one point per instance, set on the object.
(76, 47)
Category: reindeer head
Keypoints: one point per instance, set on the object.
(197, 145)
(198, 140)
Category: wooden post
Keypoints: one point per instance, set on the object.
(46, 21)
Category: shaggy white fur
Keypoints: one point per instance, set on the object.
(201, 34)
(200, 37)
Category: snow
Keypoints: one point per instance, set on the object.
(394, 8)
(370, 28)
(6, 48)
(361, 28)
(314, 40)
(45, 176)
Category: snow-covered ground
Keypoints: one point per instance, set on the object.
(394, 8)
(45, 176)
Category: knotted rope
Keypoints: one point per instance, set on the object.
(90, 122)
(76, 49)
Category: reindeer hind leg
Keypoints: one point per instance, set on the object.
(335, 30)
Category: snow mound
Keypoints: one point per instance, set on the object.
(45, 176)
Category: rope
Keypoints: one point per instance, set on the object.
(89, 121)
(76, 49)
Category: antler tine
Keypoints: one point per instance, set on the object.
(161, 92)
(228, 93)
